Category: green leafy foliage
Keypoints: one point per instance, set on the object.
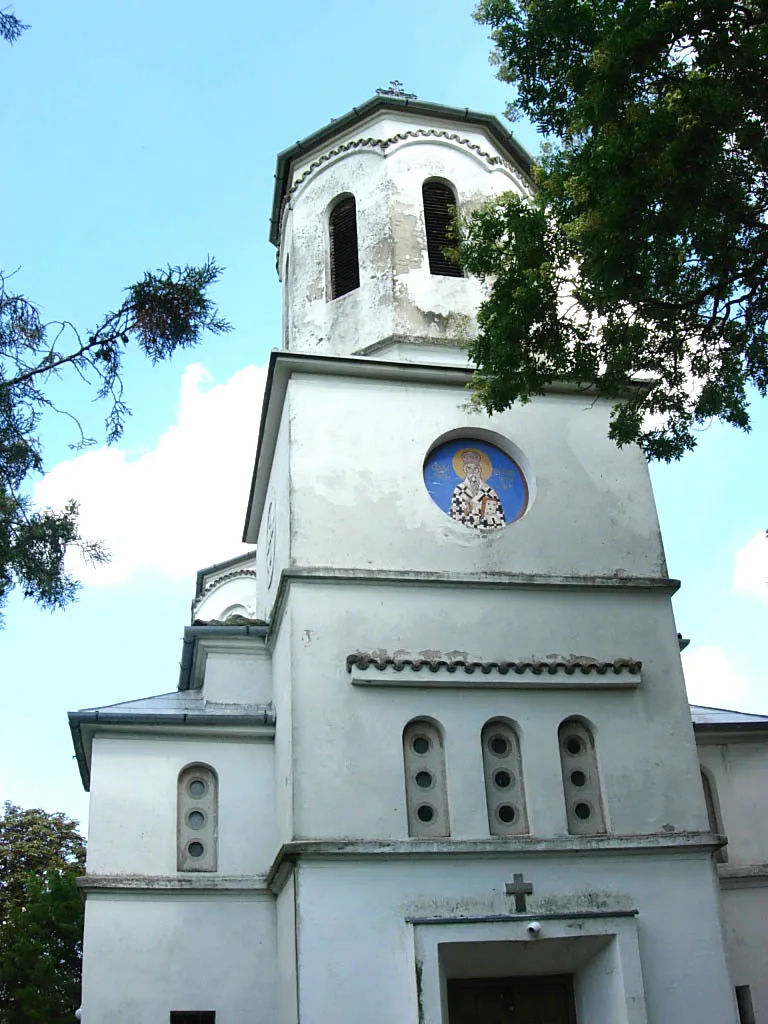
(643, 254)
(41, 917)
(10, 26)
(164, 312)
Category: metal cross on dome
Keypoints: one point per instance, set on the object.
(396, 89)
(519, 889)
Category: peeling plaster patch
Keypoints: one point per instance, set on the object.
(586, 900)
(429, 655)
(450, 908)
(409, 242)
(420, 990)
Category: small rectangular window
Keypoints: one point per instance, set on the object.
(193, 1017)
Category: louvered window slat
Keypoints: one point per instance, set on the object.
(345, 269)
(439, 202)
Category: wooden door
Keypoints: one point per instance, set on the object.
(539, 1000)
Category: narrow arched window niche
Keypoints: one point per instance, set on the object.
(426, 792)
(197, 825)
(342, 239)
(503, 770)
(440, 203)
(581, 780)
(714, 817)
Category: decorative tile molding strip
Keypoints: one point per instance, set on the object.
(379, 668)
(385, 144)
(226, 577)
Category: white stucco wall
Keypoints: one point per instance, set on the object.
(593, 511)
(287, 978)
(739, 772)
(739, 769)
(273, 556)
(347, 749)
(357, 955)
(284, 757)
(148, 954)
(237, 670)
(132, 824)
(745, 912)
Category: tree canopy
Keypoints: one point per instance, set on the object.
(643, 254)
(165, 311)
(41, 916)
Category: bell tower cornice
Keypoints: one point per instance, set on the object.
(362, 217)
(335, 138)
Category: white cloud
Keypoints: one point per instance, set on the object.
(750, 573)
(179, 506)
(711, 680)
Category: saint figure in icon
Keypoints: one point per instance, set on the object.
(474, 502)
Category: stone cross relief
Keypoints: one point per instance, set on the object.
(519, 889)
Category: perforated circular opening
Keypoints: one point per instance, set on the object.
(424, 779)
(578, 778)
(421, 744)
(506, 813)
(195, 849)
(582, 811)
(197, 787)
(499, 745)
(503, 779)
(425, 813)
(195, 819)
(573, 744)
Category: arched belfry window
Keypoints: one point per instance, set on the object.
(197, 826)
(713, 810)
(581, 782)
(426, 793)
(439, 206)
(342, 230)
(503, 771)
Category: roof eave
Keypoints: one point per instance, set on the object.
(341, 124)
(92, 720)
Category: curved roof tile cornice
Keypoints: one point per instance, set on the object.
(219, 581)
(363, 661)
(384, 144)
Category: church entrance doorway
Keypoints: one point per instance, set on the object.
(545, 999)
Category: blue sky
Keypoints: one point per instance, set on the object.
(140, 134)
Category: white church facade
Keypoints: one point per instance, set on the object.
(430, 759)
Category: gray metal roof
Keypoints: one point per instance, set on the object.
(722, 718)
(186, 703)
(217, 567)
(176, 710)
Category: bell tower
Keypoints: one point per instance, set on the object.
(361, 219)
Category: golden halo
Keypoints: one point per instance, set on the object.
(485, 463)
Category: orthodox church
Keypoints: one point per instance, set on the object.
(430, 758)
